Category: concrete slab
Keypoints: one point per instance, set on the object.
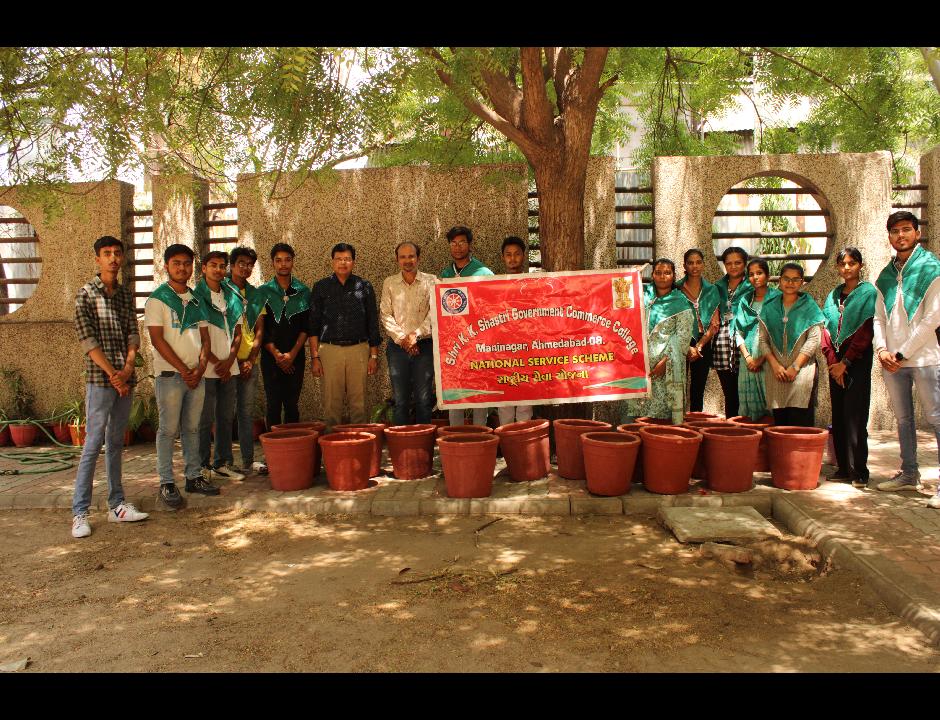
(726, 524)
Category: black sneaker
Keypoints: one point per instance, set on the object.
(170, 496)
(839, 476)
(860, 483)
(199, 485)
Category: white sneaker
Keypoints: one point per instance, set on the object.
(125, 512)
(902, 481)
(80, 526)
(934, 502)
(228, 472)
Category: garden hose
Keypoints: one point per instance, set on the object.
(56, 460)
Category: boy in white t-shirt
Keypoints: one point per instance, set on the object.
(179, 334)
(223, 312)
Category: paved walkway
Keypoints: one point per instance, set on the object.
(891, 539)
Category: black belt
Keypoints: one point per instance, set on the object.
(342, 343)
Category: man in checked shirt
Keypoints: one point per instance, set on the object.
(107, 330)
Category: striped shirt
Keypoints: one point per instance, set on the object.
(106, 322)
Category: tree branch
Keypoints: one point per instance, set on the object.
(537, 115)
(818, 74)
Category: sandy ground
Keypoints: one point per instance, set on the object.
(246, 591)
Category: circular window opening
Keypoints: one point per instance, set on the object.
(779, 219)
(20, 263)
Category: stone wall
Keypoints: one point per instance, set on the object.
(39, 338)
(854, 187)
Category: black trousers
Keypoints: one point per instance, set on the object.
(282, 390)
(698, 377)
(804, 417)
(850, 417)
(729, 388)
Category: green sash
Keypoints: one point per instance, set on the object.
(189, 316)
(233, 306)
(662, 308)
(920, 270)
(252, 302)
(743, 288)
(273, 295)
(803, 314)
(859, 306)
(704, 307)
(746, 317)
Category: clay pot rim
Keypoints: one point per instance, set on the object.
(701, 416)
(573, 423)
(657, 421)
(730, 431)
(346, 438)
(678, 433)
(522, 427)
(796, 431)
(610, 438)
(305, 425)
(705, 423)
(468, 438)
(346, 426)
(464, 430)
(635, 430)
(278, 435)
(406, 430)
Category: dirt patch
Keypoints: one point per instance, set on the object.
(238, 591)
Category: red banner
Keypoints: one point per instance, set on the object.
(539, 338)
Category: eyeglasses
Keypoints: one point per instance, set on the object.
(906, 230)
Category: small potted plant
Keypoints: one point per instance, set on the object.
(60, 426)
(75, 416)
(17, 403)
(4, 429)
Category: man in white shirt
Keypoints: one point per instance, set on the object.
(405, 313)
(907, 313)
(179, 334)
(224, 310)
(514, 254)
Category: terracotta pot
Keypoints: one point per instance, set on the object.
(468, 460)
(526, 449)
(317, 425)
(146, 433)
(763, 462)
(257, 427)
(730, 454)
(348, 457)
(61, 432)
(289, 457)
(411, 450)
(700, 471)
(609, 458)
(128, 437)
(669, 455)
(440, 422)
(378, 430)
(457, 429)
(24, 435)
(796, 455)
(5, 436)
(830, 458)
(568, 452)
(77, 434)
(638, 466)
(646, 420)
(700, 416)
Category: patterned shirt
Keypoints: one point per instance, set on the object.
(344, 312)
(106, 322)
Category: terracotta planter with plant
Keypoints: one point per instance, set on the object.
(77, 434)
(763, 461)
(23, 434)
(669, 455)
(568, 451)
(730, 455)
(525, 447)
(411, 450)
(609, 459)
(347, 457)
(16, 406)
(317, 426)
(5, 436)
(61, 432)
(378, 430)
(796, 455)
(289, 457)
(468, 461)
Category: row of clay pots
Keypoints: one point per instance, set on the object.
(68, 434)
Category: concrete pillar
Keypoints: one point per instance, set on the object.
(178, 217)
(930, 176)
(600, 199)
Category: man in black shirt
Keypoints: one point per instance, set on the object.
(344, 337)
(286, 328)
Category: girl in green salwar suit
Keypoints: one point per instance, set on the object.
(752, 399)
(669, 320)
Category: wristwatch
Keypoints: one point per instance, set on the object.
(899, 357)
(847, 362)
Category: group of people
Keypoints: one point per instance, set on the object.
(762, 342)
(208, 342)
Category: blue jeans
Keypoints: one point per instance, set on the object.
(218, 407)
(180, 410)
(245, 393)
(412, 376)
(105, 422)
(927, 381)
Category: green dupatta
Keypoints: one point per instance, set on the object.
(858, 307)
(273, 296)
(801, 316)
(920, 270)
(192, 314)
(746, 318)
(233, 306)
(703, 308)
(743, 288)
(252, 302)
(662, 308)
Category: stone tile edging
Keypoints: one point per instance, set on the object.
(898, 599)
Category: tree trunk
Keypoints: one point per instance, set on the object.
(561, 217)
